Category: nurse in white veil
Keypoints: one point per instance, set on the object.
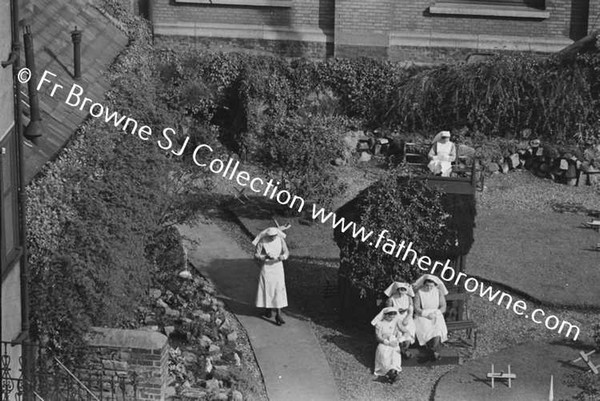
(430, 306)
(271, 250)
(442, 154)
(400, 296)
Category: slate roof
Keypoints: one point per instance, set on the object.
(51, 23)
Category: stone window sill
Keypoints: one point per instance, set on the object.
(248, 3)
(490, 10)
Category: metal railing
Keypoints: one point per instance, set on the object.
(53, 381)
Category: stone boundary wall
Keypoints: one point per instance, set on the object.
(115, 352)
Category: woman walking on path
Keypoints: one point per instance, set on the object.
(271, 250)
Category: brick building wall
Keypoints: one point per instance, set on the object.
(417, 30)
(594, 16)
(303, 21)
(429, 31)
(414, 16)
(363, 22)
(301, 13)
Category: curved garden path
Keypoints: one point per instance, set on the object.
(290, 358)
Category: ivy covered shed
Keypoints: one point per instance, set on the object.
(409, 217)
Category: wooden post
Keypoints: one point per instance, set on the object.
(508, 376)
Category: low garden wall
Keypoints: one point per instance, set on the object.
(116, 352)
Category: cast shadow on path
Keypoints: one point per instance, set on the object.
(237, 281)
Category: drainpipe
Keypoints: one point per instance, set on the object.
(76, 39)
(33, 130)
(14, 60)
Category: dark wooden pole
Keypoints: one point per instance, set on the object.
(76, 39)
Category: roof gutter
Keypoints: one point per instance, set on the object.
(23, 339)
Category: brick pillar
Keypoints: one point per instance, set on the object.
(116, 351)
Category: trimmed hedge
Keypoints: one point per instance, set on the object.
(439, 226)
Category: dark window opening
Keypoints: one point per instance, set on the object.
(9, 198)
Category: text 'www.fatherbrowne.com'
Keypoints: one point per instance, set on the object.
(404, 251)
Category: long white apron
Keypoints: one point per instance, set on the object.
(386, 356)
(426, 328)
(442, 163)
(271, 282)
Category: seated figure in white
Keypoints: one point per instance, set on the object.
(390, 333)
(442, 154)
(400, 296)
(430, 306)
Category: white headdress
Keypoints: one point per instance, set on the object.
(382, 312)
(391, 290)
(440, 285)
(440, 135)
(268, 232)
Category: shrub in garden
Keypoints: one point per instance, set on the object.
(502, 97)
(100, 206)
(363, 85)
(439, 226)
(261, 92)
(410, 211)
(298, 151)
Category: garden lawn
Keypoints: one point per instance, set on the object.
(531, 363)
(546, 255)
(314, 240)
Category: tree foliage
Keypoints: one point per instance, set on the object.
(554, 98)
(96, 213)
(413, 213)
(299, 150)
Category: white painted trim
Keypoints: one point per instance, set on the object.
(249, 3)
(239, 31)
(7, 130)
(489, 10)
(478, 42)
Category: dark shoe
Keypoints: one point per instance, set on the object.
(389, 375)
(267, 313)
(392, 376)
(279, 321)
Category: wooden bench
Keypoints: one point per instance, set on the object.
(459, 310)
(415, 154)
